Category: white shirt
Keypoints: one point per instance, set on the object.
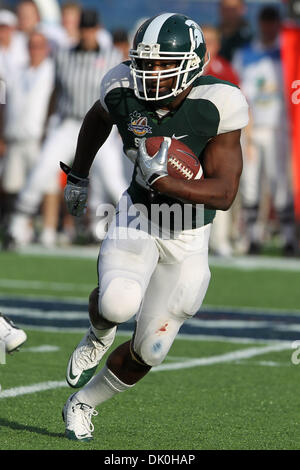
(13, 57)
(28, 95)
(261, 80)
(104, 38)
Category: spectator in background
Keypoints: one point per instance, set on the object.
(28, 16)
(78, 75)
(121, 42)
(234, 29)
(66, 34)
(70, 19)
(266, 152)
(29, 20)
(13, 50)
(219, 67)
(28, 93)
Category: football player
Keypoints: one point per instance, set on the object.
(160, 280)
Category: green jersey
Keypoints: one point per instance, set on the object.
(212, 107)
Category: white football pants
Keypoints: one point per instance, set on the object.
(20, 158)
(162, 282)
(272, 157)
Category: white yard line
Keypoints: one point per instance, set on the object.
(40, 349)
(229, 323)
(228, 357)
(26, 390)
(265, 363)
(240, 324)
(205, 361)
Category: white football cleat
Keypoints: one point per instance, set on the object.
(86, 357)
(12, 336)
(78, 419)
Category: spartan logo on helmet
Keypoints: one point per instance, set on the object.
(173, 38)
(198, 35)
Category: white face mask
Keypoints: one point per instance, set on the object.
(188, 62)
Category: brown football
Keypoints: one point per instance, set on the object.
(182, 162)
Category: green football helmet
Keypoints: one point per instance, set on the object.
(169, 37)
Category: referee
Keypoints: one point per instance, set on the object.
(79, 71)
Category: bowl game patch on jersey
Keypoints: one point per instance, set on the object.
(139, 124)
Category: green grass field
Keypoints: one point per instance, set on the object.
(208, 394)
(265, 288)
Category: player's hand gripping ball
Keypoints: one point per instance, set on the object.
(182, 162)
(163, 156)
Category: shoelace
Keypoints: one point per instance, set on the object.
(89, 352)
(88, 412)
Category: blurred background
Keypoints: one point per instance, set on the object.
(53, 55)
(114, 14)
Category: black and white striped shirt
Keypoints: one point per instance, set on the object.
(78, 76)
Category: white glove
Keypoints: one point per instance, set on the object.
(153, 168)
(76, 192)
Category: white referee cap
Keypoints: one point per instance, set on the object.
(8, 18)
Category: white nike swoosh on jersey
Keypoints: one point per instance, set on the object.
(179, 137)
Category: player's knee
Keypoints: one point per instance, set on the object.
(96, 317)
(152, 347)
(121, 300)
